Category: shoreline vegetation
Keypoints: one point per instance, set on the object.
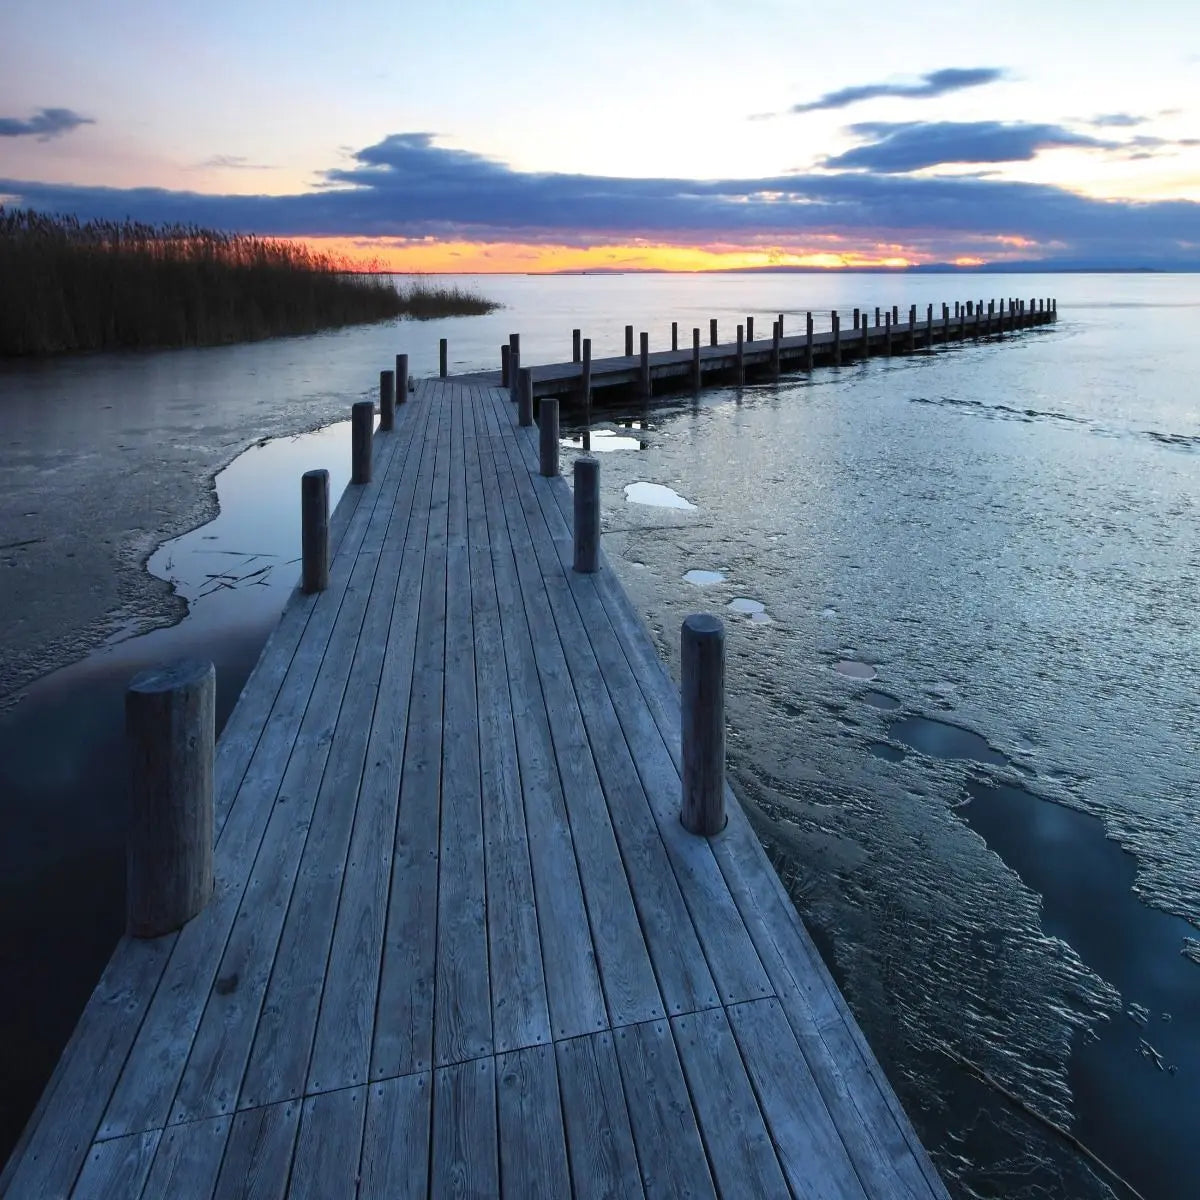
(68, 285)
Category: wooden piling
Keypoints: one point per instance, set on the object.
(702, 724)
(442, 357)
(877, 321)
(587, 515)
(866, 336)
(929, 329)
(912, 328)
(505, 367)
(362, 426)
(808, 342)
(314, 531)
(525, 397)
(887, 334)
(401, 378)
(628, 341)
(775, 340)
(586, 388)
(837, 338)
(674, 335)
(740, 369)
(779, 320)
(387, 400)
(712, 332)
(749, 329)
(644, 363)
(696, 359)
(548, 436)
(514, 364)
(895, 314)
(576, 334)
(170, 729)
(856, 318)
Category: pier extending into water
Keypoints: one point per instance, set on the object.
(709, 361)
(460, 942)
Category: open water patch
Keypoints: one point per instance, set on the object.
(704, 578)
(602, 441)
(942, 739)
(656, 494)
(852, 669)
(756, 610)
(881, 700)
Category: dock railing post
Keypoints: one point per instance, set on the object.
(314, 531)
(912, 328)
(837, 338)
(856, 318)
(525, 398)
(170, 729)
(696, 359)
(514, 364)
(895, 314)
(775, 339)
(749, 329)
(702, 725)
(576, 334)
(808, 342)
(929, 329)
(674, 335)
(387, 400)
(628, 341)
(779, 319)
(548, 436)
(877, 320)
(644, 363)
(866, 336)
(740, 368)
(586, 388)
(362, 426)
(401, 378)
(887, 334)
(505, 366)
(712, 331)
(443, 358)
(587, 515)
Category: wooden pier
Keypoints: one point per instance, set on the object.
(744, 358)
(460, 943)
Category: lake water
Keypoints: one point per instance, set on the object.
(960, 593)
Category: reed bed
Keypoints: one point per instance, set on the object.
(101, 285)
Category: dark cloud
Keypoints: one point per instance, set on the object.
(911, 145)
(1117, 121)
(936, 83)
(45, 124)
(405, 186)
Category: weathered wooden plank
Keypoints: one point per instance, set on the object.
(810, 1149)
(395, 1154)
(329, 1146)
(464, 1156)
(731, 1124)
(574, 994)
(116, 1169)
(533, 1149)
(630, 988)
(403, 1040)
(188, 1160)
(462, 999)
(520, 1016)
(604, 1162)
(670, 1152)
(259, 1154)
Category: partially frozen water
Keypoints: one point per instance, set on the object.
(657, 494)
(703, 578)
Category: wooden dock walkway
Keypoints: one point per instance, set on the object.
(460, 943)
(726, 362)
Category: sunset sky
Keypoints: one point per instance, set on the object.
(678, 134)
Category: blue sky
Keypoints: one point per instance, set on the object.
(673, 133)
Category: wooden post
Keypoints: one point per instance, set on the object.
(887, 334)
(644, 363)
(674, 335)
(895, 314)
(866, 336)
(548, 436)
(702, 725)
(775, 339)
(780, 320)
(808, 342)
(712, 332)
(912, 328)
(401, 378)
(749, 329)
(877, 321)
(696, 359)
(442, 357)
(856, 318)
(575, 346)
(387, 400)
(514, 364)
(956, 310)
(945, 322)
(314, 531)
(628, 341)
(586, 387)
(587, 515)
(525, 398)
(837, 339)
(505, 366)
(929, 329)
(362, 426)
(170, 728)
(740, 369)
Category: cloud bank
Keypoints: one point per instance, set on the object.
(45, 124)
(936, 83)
(406, 186)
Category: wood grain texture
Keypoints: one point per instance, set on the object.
(464, 1159)
(116, 1169)
(258, 1157)
(188, 1160)
(533, 1150)
(395, 1154)
(329, 1145)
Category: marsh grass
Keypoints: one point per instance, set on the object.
(102, 285)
